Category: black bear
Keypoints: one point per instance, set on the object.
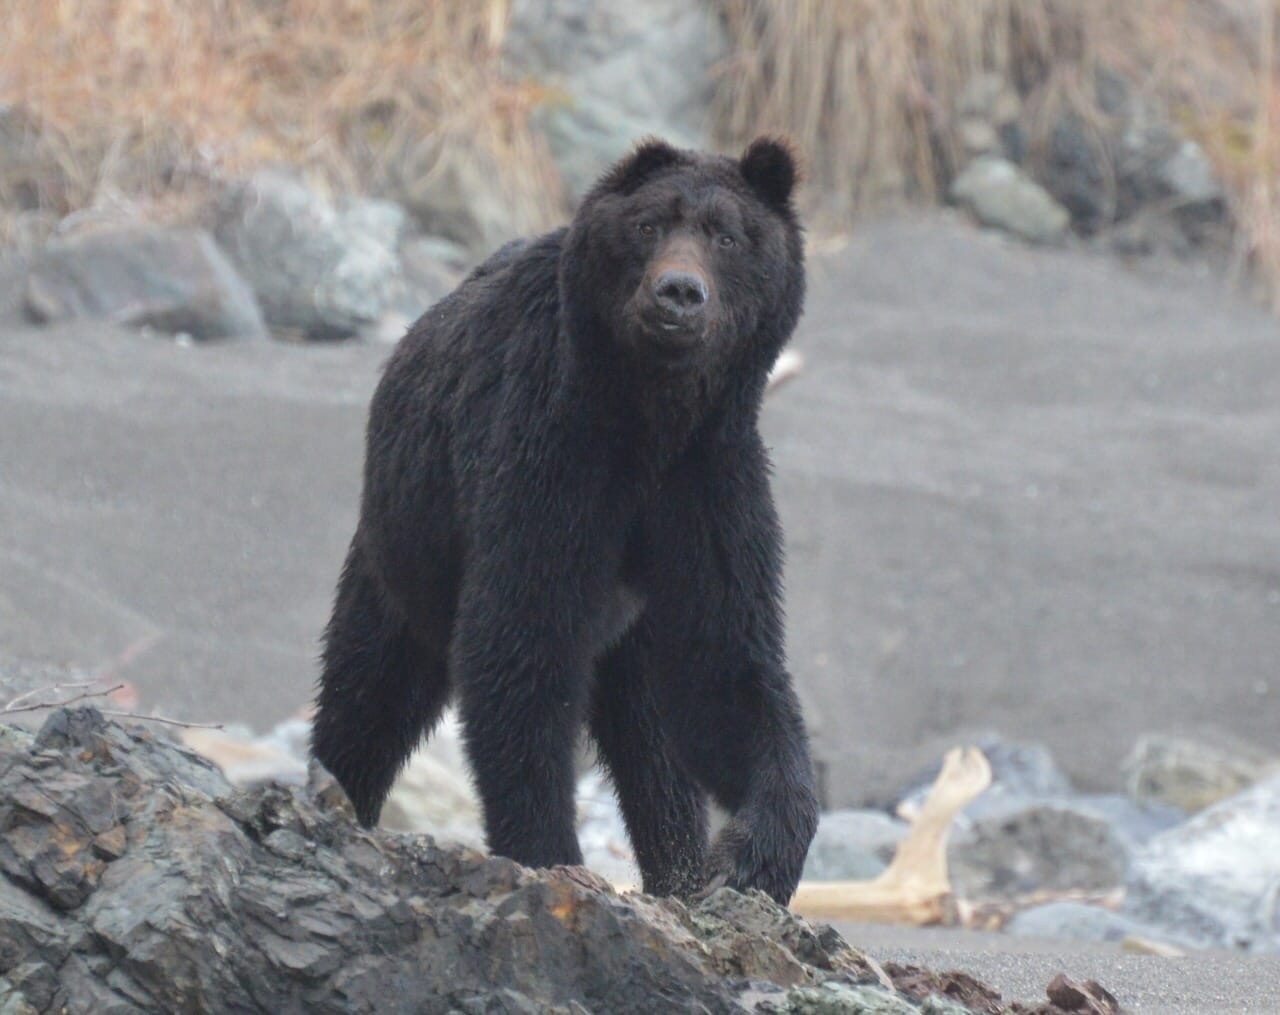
(567, 520)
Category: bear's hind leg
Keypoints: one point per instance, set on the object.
(381, 689)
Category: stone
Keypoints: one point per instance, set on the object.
(1157, 167)
(455, 191)
(1134, 822)
(1077, 170)
(843, 999)
(853, 845)
(612, 73)
(321, 269)
(989, 97)
(1023, 847)
(1215, 880)
(586, 133)
(256, 900)
(977, 137)
(171, 279)
(1190, 177)
(1192, 774)
(1073, 921)
(1001, 195)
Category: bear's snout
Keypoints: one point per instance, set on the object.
(680, 293)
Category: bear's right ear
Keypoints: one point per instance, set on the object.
(769, 167)
(650, 156)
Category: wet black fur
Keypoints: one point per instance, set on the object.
(562, 525)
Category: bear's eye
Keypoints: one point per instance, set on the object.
(647, 230)
(726, 241)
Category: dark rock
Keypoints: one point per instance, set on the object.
(1215, 880)
(1088, 996)
(172, 279)
(256, 900)
(1078, 169)
(319, 268)
(1028, 846)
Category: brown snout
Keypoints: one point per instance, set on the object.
(677, 281)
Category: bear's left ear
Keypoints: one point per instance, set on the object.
(649, 156)
(769, 167)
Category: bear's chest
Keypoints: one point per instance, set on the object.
(615, 616)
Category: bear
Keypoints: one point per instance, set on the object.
(566, 522)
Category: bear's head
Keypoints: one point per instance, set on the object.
(688, 262)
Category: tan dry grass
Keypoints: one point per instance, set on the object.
(149, 98)
(867, 88)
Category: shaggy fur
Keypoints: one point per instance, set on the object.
(567, 519)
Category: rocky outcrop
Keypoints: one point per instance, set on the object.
(1120, 169)
(613, 73)
(321, 269)
(135, 878)
(1215, 880)
(174, 280)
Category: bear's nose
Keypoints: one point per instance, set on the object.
(680, 292)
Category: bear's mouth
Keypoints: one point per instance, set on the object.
(672, 334)
(673, 339)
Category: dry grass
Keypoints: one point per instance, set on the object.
(867, 87)
(150, 99)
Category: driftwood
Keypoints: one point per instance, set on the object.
(915, 888)
(788, 366)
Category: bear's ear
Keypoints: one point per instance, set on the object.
(650, 155)
(769, 167)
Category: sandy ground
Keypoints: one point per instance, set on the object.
(1028, 491)
(1208, 983)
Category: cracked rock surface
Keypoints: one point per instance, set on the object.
(135, 878)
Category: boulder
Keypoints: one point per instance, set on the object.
(1001, 195)
(1073, 921)
(133, 878)
(1192, 773)
(612, 73)
(455, 191)
(174, 280)
(1215, 880)
(321, 269)
(1023, 847)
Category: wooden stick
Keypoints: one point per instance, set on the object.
(915, 888)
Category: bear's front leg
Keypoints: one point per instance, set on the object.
(772, 797)
(521, 708)
(728, 698)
